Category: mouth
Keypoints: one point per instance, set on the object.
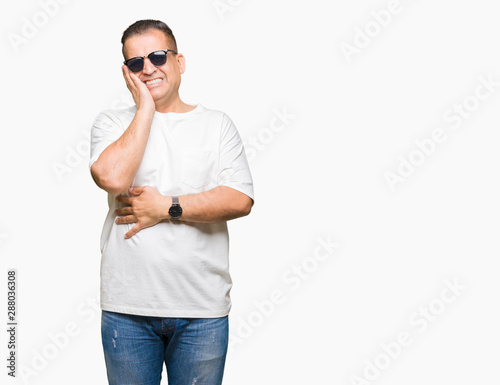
(153, 82)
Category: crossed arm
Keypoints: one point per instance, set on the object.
(147, 207)
(117, 165)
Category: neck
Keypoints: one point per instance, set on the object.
(176, 105)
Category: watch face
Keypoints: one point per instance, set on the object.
(175, 211)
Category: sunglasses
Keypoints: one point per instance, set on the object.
(157, 58)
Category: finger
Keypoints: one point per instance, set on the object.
(136, 190)
(124, 199)
(134, 230)
(122, 211)
(126, 75)
(126, 220)
(134, 79)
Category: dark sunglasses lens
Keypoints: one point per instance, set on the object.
(158, 58)
(135, 65)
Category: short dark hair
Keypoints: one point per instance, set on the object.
(143, 26)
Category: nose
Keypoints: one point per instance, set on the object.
(149, 68)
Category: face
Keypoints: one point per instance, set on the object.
(163, 82)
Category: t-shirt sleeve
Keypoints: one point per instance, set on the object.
(105, 130)
(233, 165)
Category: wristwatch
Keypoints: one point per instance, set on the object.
(175, 210)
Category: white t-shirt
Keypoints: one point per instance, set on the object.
(173, 269)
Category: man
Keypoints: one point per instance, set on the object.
(174, 173)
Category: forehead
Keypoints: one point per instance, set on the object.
(145, 43)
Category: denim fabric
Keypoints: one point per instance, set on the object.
(135, 347)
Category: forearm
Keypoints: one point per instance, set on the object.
(117, 165)
(217, 205)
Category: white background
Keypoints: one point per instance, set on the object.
(355, 118)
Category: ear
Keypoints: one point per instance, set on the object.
(181, 62)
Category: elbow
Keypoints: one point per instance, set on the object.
(115, 189)
(246, 207)
(105, 182)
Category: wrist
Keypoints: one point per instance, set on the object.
(175, 210)
(165, 207)
(145, 112)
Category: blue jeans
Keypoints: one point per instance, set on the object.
(135, 347)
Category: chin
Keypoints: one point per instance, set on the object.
(157, 93)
